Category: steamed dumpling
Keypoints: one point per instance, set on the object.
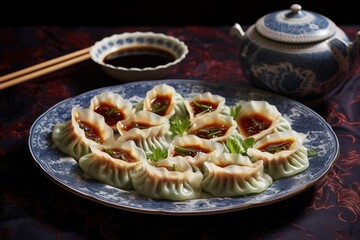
(257, 119)
(112, 107)
(194, 150)
(231, 175)
(216, 127)
(205, 103)
(112, 163)
(171, 178)
(144, 121)
(85, 128)
(160, 100)
(164, 101)
(282, 152)
(148, 130)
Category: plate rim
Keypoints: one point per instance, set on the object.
(192, 212)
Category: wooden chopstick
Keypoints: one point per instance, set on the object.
(44, 68)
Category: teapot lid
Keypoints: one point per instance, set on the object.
(295, 26)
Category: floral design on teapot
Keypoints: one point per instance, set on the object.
(296, 53)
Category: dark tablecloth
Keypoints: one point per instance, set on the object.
(34, 207)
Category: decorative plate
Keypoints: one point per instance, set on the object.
(66, 172)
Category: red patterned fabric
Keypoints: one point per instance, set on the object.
(32, 205)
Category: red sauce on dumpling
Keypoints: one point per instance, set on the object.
(160, 104)
(140, 125)
(111, 113)
(203, 106)
(120, 154)
(91, 131)
(211, 131)
(254, 124)
(191, 150)
(277, 146)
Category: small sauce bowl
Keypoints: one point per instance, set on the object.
(134, 56)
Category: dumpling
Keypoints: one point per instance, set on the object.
(112, 107)
(148, 130)
(85, 128)
(217, 127)
(283, 125)
(112, 163)
(160, 100)
(282, 152)
(171, 178)
(144, 121)
(205, 103)
(257, 119)
(194, 150)
(231, 175)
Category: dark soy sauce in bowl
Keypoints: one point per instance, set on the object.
(139, 57)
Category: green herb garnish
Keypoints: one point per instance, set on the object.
(214, 134)
(159, 107)
(234, 111)
(312, 152)
(112, 111)
(139, 126)
(179, 126)
(139, 105)
(238, 145)
(174, 168)
(276, 149)
(115, 154)
(202, 106)
(156, 154)
(183, 150)
(109, 151)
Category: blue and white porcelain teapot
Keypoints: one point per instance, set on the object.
(296, 53)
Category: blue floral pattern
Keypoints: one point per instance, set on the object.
(115, 42)
(316, 24)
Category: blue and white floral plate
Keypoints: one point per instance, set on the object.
(66, 172)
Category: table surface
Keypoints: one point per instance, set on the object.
(33, 205)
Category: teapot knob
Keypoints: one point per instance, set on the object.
(295, 11)
(295, 8)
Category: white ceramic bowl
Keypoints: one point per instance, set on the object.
(131, 40)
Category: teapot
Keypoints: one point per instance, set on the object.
(295, 53)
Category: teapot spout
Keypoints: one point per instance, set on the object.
(236, 30)
(355, 46)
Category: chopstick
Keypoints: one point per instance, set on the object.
(44, 68)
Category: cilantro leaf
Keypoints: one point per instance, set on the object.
(156, 154)
(238, 145)
(311, 152)
(179, 126)
(234, 110)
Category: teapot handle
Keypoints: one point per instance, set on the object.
(355, 46)
(237, 31)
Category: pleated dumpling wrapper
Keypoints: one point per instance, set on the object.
(194, 150)
(205, 103)
(231, 175)
(282, 152)
(214, 126)
(148, 130)
(171, 178)
(160, 100)
(86, 128)
(112, 163)
(257, 119)
(112, 106)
